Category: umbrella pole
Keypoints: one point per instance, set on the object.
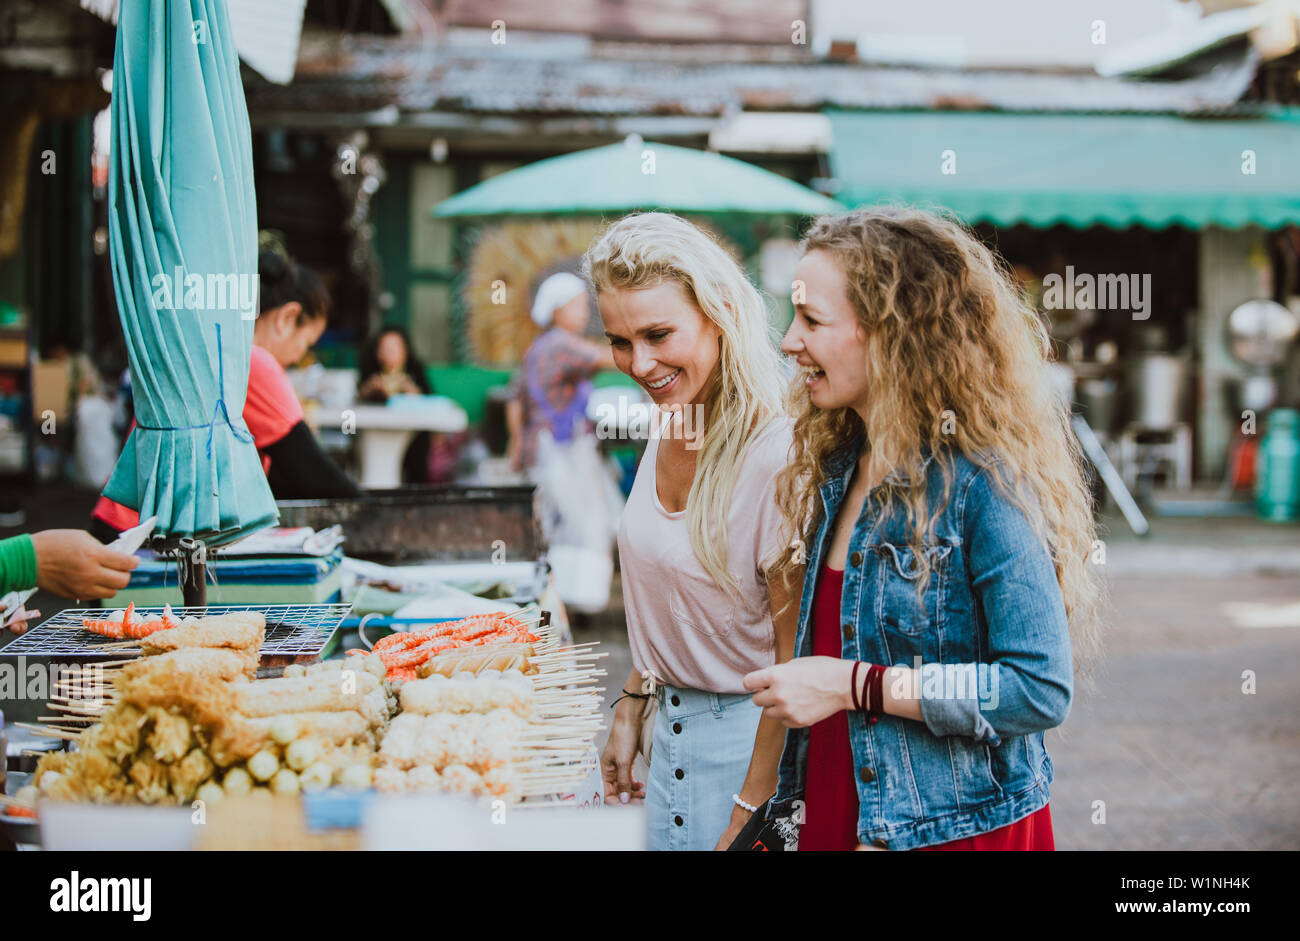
(194, 572)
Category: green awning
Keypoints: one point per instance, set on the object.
(619, 178)
(1076, 169)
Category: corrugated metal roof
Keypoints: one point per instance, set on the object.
(266, 32)
(365, 73)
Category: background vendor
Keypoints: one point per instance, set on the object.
(388, 367)
(551, 388)
(294, 312)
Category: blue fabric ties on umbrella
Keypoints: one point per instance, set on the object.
(183, 245)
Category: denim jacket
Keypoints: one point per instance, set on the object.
(990, 637)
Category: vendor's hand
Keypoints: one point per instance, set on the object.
(372, 388)
(803, 691)
(74, 564)
(739, 818)
(619, 756)
(18, 619)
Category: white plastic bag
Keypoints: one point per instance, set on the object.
(579, 504)
(97, 447)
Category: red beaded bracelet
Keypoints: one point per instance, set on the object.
(875, 691)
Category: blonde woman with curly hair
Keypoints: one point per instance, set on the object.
(701, 529)
(946, 528)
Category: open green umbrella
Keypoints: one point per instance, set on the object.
(621, 178)
(183, 245)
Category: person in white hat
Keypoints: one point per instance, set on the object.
(578, 501)
(551, 388)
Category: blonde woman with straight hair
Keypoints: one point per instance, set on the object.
(701, 529)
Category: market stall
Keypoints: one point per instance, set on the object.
(175, 708)
(469, 688)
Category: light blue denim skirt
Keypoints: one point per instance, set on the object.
(702, 746)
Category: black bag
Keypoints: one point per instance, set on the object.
(762, 835)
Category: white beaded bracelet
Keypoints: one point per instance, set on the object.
(740, 803)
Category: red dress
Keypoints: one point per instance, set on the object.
(830, 792)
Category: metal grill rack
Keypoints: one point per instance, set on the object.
(292, 630)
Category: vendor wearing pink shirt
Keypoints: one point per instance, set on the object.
(294, 312)
(700, 531)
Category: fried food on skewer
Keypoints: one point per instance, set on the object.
(117, 735)
(437, 694)
(328, 692)
(150, 778)
(330, 727)
(170, 737)
(496, 657)
(222, 663)
(370, 663)
(242, 630)
(436, 741)
(208, 703)
(187, 774)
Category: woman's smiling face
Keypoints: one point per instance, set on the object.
(826, 337)
(661, 339)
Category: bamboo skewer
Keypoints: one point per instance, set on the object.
(103, 696)
(99, 678)
(46, 731)
(73, 701)
(86, 680)
(116, 645)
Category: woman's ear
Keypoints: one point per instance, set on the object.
(286, 317)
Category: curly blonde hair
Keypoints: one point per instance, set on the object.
(959, 363)
(645, 249)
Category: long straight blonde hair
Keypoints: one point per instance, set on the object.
(643, 250)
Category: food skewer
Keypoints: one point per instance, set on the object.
(75, 712)
(46, 731)
(58, 720)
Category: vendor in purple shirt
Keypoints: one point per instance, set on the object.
(551, 388)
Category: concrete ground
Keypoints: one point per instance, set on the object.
(1179, 755)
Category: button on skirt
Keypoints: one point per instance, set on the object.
(701, 753)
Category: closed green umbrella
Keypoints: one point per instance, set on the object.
(621, 178)
(183, 245)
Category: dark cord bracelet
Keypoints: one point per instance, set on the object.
(627, 695)
(875, 691)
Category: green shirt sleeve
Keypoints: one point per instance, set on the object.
(17, 564)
